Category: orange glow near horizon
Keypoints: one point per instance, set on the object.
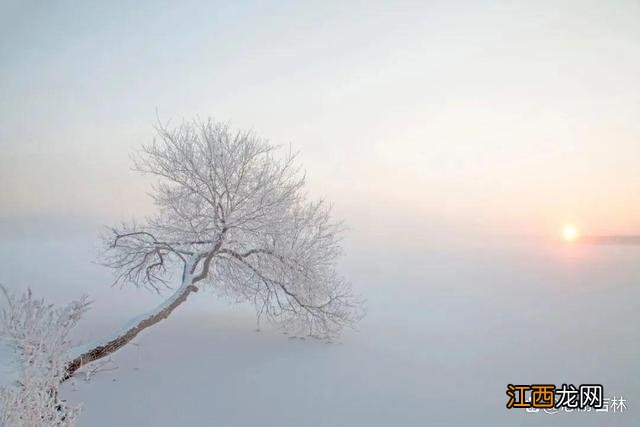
(570, 233)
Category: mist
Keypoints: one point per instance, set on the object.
(454, 139)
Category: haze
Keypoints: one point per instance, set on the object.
(452, 137)
(503, 117)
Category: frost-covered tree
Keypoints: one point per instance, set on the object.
(231, 214)
(36, 336)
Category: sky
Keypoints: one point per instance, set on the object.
(511, 117)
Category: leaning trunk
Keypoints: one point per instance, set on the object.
(86, 354)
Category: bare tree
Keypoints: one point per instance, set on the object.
(232, 215)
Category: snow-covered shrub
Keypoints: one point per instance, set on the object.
(37, 334)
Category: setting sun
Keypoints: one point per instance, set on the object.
(570, 233)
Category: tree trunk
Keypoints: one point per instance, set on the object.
(132, 329)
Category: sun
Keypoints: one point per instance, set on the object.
(570, 233)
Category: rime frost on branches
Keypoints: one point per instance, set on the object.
(232, 215)
(37, 333)
(235, 211)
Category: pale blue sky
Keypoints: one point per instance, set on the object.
(514, 116)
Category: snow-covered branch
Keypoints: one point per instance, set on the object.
(36, 333)
(237, 211)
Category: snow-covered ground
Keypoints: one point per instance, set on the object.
(450, 322)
